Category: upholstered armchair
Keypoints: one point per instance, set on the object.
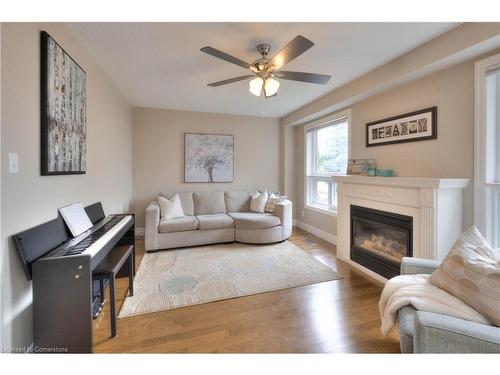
(426, 332)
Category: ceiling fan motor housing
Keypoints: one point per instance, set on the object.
(261, 64)
(264, 49)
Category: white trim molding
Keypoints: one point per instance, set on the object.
(316, 231)
(318, 123)
(320, 210)
(139, 232)
(486, 195)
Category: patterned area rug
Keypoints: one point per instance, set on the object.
(176, 278)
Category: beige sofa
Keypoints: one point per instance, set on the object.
(216, 217)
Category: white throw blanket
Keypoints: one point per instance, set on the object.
(416, 290)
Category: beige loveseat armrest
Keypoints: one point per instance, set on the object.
(151, 226)
(284, 211)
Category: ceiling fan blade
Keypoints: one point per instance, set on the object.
(295, 48)
(224, 56)
(303, 77)
(230, 80)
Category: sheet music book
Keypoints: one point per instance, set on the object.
(76, 218)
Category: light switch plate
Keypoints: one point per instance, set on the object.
(13, 163)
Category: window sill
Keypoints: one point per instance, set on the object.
(321, 210)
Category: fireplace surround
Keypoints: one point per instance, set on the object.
(380, 239)
(434, 204)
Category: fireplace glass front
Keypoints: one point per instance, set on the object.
(380, 239)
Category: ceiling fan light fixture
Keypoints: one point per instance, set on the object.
(264, 69)
(271, 87)
(255, 86)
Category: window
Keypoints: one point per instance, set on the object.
(487, 149)
(492, 149)
(326, 154)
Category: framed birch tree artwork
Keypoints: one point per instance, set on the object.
(63, 111)
(208, 158)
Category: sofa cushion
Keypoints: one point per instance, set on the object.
(178, 225)
(186, 201)
(271, 202)
(209, 202)
(170, 208)
(237, 201)
(254, 220)
(258, 202)
(214, 221)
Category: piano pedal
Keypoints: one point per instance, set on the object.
(97, 308)
(96, 313)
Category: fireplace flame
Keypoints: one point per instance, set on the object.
(388, 248)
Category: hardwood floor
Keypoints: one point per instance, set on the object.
(339, 316)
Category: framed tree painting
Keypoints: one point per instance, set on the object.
(63, 111)
(409, 127)
(208, 158)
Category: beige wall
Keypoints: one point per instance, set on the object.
(451, 155)
(158, 152)
(30, 199)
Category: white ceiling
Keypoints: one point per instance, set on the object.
(160, 65)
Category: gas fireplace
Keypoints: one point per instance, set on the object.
(379, 239)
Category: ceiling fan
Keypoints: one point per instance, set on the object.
(265, 70)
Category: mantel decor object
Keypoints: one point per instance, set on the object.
(361, 166)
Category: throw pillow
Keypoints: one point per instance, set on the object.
(170, 208)
(471, 272)
(258, 202)
(271, 202)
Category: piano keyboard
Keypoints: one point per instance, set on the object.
(95, 241)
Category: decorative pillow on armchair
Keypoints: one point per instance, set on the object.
(471, 272)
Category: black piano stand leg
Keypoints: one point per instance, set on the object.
(131, 274)
(133, 260)
(112, 304)
(101, 290)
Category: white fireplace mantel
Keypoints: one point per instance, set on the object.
(435, 205)
(408, 182)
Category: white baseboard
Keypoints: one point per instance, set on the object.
(316, 231)
(139, 232)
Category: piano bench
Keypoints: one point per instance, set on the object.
(107, 270)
